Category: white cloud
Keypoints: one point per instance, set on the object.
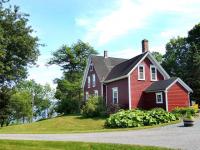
(125, 53)
(130, 15)
(43, 74)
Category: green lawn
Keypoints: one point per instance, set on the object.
(64, 124)
(49, 145)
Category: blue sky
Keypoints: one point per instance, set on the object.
(117, 26)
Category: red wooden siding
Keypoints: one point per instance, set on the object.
(138, 86)
(177, 97)
(91, 89)
(122, 92)
(149, 101)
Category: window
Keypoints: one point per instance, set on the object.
(88, 81)
(115, 95)
(93, 80)
(91, 67)
(141, 72)
(153, 72)
(159, 98)
(96, 93)
(86, 95)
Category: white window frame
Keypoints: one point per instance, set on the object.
(93, 80)
(161, 95)
(96, 93)
(91, 67)
(152, 66)
(115, 89)
(86, 95)
(139, 72)
(89, 82)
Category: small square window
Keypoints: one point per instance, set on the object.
(159, 98)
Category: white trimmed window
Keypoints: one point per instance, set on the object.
(96, 93)
(93, 80)
(153, 72)
(86, 95)
(88, 81)
(91, 67)
(159, 98)
(141, 72)
(115, 95)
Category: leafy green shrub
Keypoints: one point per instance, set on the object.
(94, 107)
(137, 118)
(182, 111)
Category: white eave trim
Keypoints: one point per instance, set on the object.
(86, 72)
(182, 83)
(115, 79)
(152, 59)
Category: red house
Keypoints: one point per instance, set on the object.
(139, 82)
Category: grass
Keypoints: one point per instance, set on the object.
(49, 145)
(65, 124)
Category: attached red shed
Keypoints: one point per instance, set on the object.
(167, 94)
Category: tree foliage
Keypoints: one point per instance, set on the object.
(41, 96)
(18, 50)
(21, 106)
(182, 59)
(158, 56)
(72, 60)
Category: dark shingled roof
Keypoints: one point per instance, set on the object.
(125, 67)
(160, 85)
(104, 65)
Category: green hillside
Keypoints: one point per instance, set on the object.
(65, 124)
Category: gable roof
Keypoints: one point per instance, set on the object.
(104, 65)
(163, 85)
(112, 69)
(125, 67)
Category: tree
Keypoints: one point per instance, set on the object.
(41, 96)
(174, 61)
(158, 56)
(182, 59)
(18, 50)
(72, 61)
(193, 61)
(21, 106)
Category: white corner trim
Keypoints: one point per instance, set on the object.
(86, 71)
(166, 100)
(129, 91)
(153, 66)
(182, 83)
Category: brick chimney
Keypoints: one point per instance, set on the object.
(145, 45)
(105, 54)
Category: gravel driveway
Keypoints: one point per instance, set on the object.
(172, 136)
